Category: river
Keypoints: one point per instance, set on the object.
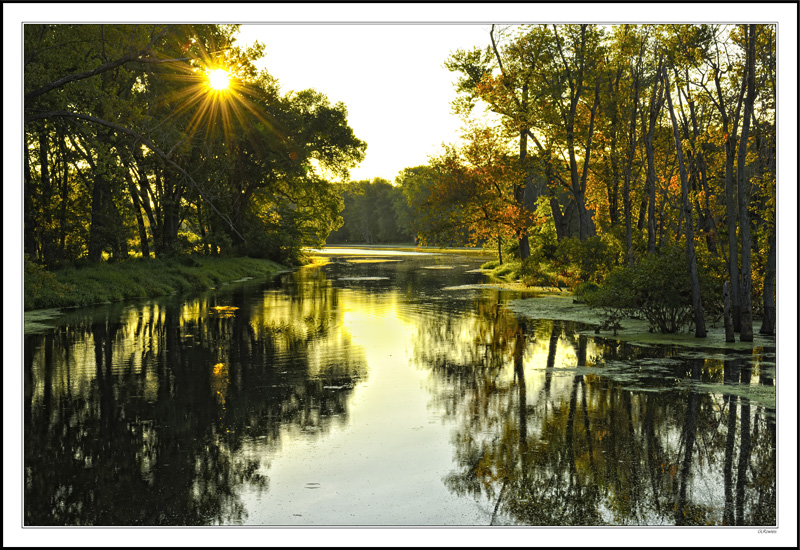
(385, 388)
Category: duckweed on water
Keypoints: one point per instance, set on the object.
(34, 320)
(561, 306)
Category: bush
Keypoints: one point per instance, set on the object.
(532, 273)
(584, 292)
(581, 261)
(657, 289)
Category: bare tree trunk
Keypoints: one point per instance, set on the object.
(500, 248)
(726, 297)
(730, 127)
(137, 210)
(656, 103)
(29, 214)
(519, 190)
(746, 334)
(697, 305)
(768, 325)
(626, 189)
(62, 224)
(46, 189)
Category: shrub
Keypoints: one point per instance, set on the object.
(531, 272)
(585, 260)
(657, 289)
(584, 292)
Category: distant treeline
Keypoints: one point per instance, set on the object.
(375, 212)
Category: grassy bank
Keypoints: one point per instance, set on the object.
(134, 279)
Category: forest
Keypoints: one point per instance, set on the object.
(133, 145)
(633, 164)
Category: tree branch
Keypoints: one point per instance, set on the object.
(144, 140)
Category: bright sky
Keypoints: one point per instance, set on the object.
(391, 77)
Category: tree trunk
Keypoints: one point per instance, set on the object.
(746, 334)
(96, 241)
(29, 214)
(697, 305)
(137, 210)
(46, 234)
(626, 188)
(145, 197)
(768, 325)
(202, 225)
(730, 127)
(500, 248)
(63, 224)
(579, 182)
(519, 187)
(726, 297)
(656, 103)
(119, 238)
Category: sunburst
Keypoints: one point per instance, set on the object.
(217, 98)
(219, 79)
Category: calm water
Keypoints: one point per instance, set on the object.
(369, 391)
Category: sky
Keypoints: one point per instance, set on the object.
(398, 96)
(391, 77)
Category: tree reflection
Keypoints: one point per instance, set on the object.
(548, 433)
(139, 416)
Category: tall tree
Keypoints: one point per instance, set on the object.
(697, 305)
(746, 334)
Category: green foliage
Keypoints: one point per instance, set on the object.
(491, 264)
(580, 261)
(374, 212)
(585, 292)
(656, 289)
(143, 153)
(507, 271)
(42, 288)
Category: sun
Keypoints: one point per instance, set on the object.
(219, 79)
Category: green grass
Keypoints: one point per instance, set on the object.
(135, 278)
(507, 271)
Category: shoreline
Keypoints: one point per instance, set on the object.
(47, 291)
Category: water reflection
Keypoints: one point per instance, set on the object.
(554, 431)
(409, 403)
(136, 415)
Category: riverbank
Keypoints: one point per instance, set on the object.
(135, 278)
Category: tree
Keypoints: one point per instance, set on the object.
(371, 214)
(472, 190)
(697, 305)
(166, 159)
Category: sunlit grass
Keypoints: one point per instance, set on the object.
(136, 279)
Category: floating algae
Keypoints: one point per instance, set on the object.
(34, 320)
